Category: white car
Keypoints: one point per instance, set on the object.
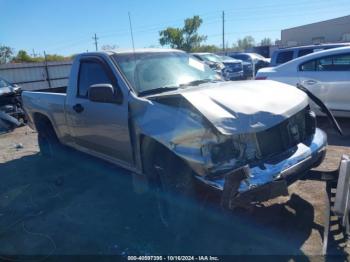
(326, 74)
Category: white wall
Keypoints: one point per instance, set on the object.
(33, 76)
(330, 31)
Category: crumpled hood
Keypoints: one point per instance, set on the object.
(246, 106)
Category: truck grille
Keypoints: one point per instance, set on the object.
(233, 67)
(287, 134)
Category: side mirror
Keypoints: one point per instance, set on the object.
(103, 93)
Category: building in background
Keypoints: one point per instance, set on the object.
(335, 30)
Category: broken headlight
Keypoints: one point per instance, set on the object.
(223, 152)
(310, 122)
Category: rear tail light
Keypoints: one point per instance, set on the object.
(260, 77)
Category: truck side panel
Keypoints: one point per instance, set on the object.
(50, 105)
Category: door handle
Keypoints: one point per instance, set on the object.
(78, 108)
(310, 82)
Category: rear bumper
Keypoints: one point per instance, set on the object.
(271, 178)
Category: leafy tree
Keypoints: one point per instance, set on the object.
(109, 47)
(186, 38)
(22, 57)
(206, 48)
(6, 53)
(266, 41)
(243, 44)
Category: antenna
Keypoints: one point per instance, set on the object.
(133, 50)
(132, 35)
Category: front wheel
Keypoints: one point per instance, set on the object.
(172, 186)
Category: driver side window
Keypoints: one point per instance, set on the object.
(91, 73)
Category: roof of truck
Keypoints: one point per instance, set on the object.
(141, 50)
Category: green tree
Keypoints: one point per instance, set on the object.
(186, 38)
(243, 44)
(6, 53)
(22, 57)
(109, 47)
(54, 58)
(206, 48)
(266, 41)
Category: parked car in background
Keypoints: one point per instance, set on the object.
(284, 55)
(11, 113)
(326, 74)
(230, 68)
(8, 89)
(251, 61)
(233, 69)
(212, 60)
(172, 121)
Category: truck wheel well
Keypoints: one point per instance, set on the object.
(41, 120)
(150, 146)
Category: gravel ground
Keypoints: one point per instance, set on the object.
(79, 205)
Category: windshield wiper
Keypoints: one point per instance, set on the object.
(157, 90)
(198, 82)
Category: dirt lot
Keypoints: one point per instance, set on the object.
(79, 205)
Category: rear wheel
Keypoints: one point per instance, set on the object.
(47, 139)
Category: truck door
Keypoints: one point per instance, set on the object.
(99, 128)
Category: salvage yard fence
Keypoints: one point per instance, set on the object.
(35, 76)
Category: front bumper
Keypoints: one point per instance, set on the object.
(270, 178)
(232, 75)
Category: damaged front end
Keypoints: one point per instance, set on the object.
(249, 157)
(259, 166)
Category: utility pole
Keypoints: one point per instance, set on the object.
(223, 31)
(34, 54)
(95, 38)
(47, 71)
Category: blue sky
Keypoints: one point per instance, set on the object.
(67, 26)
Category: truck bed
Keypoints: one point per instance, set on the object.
(48, 102)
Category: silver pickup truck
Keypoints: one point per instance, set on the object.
(167, 117)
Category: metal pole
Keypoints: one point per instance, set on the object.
(95, 38)
(253, 65)
(47, 70)
(223, 31)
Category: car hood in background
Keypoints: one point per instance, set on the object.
(232, 61)
(245, 106)
(6, 90)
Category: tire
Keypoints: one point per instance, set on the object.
(172, 186)
(319, 160)
(49, 144)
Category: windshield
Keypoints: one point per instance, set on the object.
(154, 70)
(255, 55)
(227, 58)
(242, 57)
(212, 58)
